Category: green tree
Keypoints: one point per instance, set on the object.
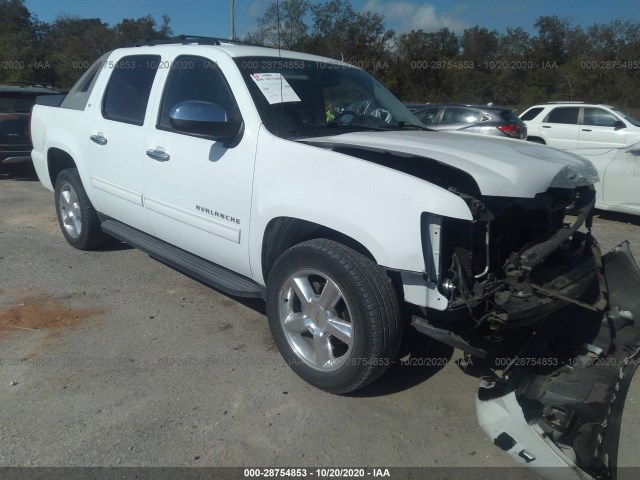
(17, 38)
(282, 25)
(339, 31)
(144, 28)
(421, 54)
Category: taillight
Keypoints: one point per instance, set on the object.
(510, 130)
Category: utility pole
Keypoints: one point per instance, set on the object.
(233, 20)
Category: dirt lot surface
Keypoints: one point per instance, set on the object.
(109, 358)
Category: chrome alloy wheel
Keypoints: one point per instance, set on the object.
(70, 211)
(316, 320)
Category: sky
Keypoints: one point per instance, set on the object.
(212, 17)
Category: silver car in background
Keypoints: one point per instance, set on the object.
(485, 119)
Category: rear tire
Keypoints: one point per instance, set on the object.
(536, 140)
(77, 218)
(334, 315)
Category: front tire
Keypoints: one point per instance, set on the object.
(77, 218)
(334, 315)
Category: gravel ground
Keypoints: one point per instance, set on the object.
(118, 360)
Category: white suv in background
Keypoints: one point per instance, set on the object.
(569, 125)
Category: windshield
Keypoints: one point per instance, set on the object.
(627, 117)
(298, 98)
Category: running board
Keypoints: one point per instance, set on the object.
(194, 266)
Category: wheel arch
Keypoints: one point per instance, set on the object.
(536, 139)
(58, 160)
(281, 233)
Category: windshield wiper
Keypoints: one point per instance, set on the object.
(334, 124)
(402, 124)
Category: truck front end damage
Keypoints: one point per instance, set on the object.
(547, 323)
(521, 287)
(559, 402)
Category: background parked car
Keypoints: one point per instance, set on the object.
(16, 102)
(414, 107)
(619, 171)
(568, 125)
(487, 119)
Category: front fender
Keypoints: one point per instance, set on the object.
(373, 204)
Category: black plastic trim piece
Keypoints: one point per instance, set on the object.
(446, 336)
(194, 266)
(537, 254)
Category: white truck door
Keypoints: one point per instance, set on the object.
(621, 181)
(560, 129)
(598, 129)
(115, 154)
(198, 190)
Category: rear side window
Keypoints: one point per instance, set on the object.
(531, 113)
(461, 115)
(127, 94)
(509, 116)
(564, 115)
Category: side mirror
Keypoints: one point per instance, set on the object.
(618, 124)
(204, 119)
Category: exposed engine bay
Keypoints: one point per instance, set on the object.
(518, 261)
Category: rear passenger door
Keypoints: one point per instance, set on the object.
(598, 129)
(118, 120)
(456, 118)
(560, 129)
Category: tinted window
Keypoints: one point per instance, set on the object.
(509, 116)
(460, 115)
(428, 116)
(196, 78)
(531, 113)
(127, 94)
(598, 117)
(564, 115)
(17, 102)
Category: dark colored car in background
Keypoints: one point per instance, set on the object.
(486, 119)
(16, 102)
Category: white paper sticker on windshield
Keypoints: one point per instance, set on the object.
(275, 88)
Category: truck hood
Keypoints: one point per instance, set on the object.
(500, 167)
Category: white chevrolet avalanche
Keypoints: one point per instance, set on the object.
(245, 168)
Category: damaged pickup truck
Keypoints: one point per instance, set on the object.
(303, 181)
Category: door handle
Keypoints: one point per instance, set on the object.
(158, 155)
(586, 129)
(546, 126)
(99, 139)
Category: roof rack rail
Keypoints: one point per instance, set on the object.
(188, 40)
(27, 84)
(566, 101)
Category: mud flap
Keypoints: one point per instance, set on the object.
(564, 420)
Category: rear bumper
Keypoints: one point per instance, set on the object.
(15, 155)
(566, 411)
